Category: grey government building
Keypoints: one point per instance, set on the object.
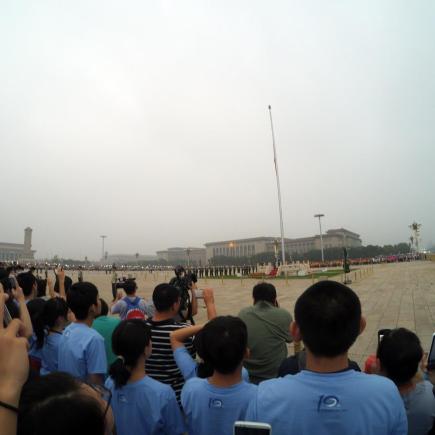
(18, 251)
(334, 238)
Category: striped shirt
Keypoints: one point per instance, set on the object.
(161, 364)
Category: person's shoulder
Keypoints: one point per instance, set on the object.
(278, 386)
(195, 383)
(93, 334)
(112, 320)
(109, 384)
(158, 387)
(248, 387)
(245, 310)
(373, 385)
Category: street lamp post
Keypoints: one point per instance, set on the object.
(102, 248)
(319, 216)
(188, 257)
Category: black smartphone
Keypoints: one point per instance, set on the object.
(431, 357)
(7, 318)
(381, 334)
(252, 428)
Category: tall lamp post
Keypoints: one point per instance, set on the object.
(188, 257)
(319, 216)
(102, 248)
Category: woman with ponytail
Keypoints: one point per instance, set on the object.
(141, 405)
(48, 326)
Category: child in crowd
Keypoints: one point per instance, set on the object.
(49, 326)
(399, 355)
(61, 404)
(125, 305)
(328, 397)
(81, 351)
(212, 405)
(141, 405)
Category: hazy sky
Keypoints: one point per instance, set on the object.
(147, 120)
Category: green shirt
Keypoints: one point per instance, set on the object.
(268, 335)
(105, 325)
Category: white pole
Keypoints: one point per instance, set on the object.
(102, 256)
(275, 159)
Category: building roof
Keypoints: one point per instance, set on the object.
(251, 239)
(4, 245)
(342, 230)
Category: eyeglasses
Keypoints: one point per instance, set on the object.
(104, 393)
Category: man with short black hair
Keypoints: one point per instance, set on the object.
(328, 397)
(131, 303)
(81, 351)
(268, 333)
(161, 364)
(27, 281)
(399, 355)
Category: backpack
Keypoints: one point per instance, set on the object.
(132, 306)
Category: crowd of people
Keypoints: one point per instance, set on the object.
(72, 363)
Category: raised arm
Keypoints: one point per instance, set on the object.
(61, 278)
(194, 300)
(209, 303)
(24, 312)
(50, 286)
(179, 336)
(14, 365)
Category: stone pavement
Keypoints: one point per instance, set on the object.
(392, 295)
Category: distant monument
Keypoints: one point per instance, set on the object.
(17, 251)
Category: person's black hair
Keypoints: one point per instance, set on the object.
(26, 281)
(104, 308)
(164, 296)
(329, 318)
(400, 353)
(130, 286)
(67, 283)
(35, 308)
(264, 291)
(129, 340)
(80, 297)
(46, 318)
(221, 344)
(41, 290)
(57, 404)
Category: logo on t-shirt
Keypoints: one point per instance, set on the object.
(328, 403)
(215, 403)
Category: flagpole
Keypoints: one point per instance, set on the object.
(275, 159)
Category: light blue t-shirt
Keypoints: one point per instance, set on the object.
(145, 407)
(347, 402)
(82, 352)
(188, 366)
(212, 410)
(34, 351)
(50, 353)
(420, 408)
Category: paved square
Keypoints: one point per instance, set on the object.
(399, 294)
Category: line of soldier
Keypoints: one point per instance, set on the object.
(220, 271)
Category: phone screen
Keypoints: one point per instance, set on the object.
(381, 334)
(431, 357)
(251, 431)
(6, 316)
